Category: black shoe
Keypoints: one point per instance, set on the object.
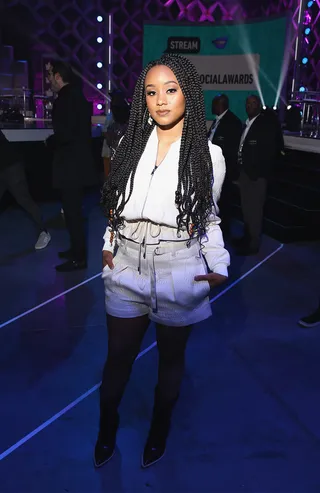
(67, 254)
(310, 320)
(71, 265)
(103, 452)
(155, 446)
(105, 446)
(154, 450)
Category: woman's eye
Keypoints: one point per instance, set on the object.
(150, 93)
(172, 90)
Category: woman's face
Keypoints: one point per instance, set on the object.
(165, 101)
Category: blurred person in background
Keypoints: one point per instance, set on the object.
(225, 132)
(13, 179)
(257, 156)
(73, 165)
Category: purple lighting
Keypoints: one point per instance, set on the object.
(57, 30)
(307, 18)
(198, 10)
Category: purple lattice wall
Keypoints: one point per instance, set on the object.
(310, 73)
(69, 27)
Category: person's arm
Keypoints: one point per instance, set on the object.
(213, 249)
(108, 248)
(219, 170)
(217, 257)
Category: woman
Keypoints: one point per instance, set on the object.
(161, 212)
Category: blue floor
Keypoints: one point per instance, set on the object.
(248, 416)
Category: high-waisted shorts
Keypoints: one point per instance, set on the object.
(158, 281)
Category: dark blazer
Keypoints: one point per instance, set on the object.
(227, 136)
(260, 148)
(9, 153)
(71, 143)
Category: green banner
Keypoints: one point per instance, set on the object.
(230, 59)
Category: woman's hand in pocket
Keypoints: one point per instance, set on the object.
(107, 259)
(213, 279)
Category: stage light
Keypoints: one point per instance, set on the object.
(305, 60)
(289, 107)
(308, 18)
(302, 89)
(99, 39)
(99, 106)
(99, 18)
(99, 85)
(275, 108)
(307, 31)
(264, 108)
(310, 3)
(99, 64)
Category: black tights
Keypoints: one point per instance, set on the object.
(125, 337)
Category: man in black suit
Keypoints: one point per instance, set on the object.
(73, 166)
(225, 132)
(257, 155)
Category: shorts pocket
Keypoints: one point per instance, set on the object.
(119, 266)
(187, 291)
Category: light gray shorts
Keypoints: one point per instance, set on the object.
(158, 280)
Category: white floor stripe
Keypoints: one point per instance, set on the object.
(14, 319)
(62, 412)
(44, 425)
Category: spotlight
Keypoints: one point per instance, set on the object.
(310, 3)
(275, 108)
(289, 107)
(99, 39)
(307, 31)
(302, 89)
(99, 64)
(99, 85)
(305, 60)
(264, 108)
(99, 18)
(99, 106)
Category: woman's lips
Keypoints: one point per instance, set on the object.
(163, 113)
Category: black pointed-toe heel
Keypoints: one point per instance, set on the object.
(106, 443)
(155, 446)
(154, 450)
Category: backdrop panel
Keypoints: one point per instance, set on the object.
(224, 56)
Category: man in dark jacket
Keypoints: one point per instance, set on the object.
(73, 166)
(225, 132)
(13, 179)
(258, 151)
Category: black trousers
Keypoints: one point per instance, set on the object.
(14, 180)
(225, 206)
(72, 206)
(253, 196)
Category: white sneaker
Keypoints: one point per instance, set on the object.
(43, 240)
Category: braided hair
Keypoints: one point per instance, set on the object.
(194, 199)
